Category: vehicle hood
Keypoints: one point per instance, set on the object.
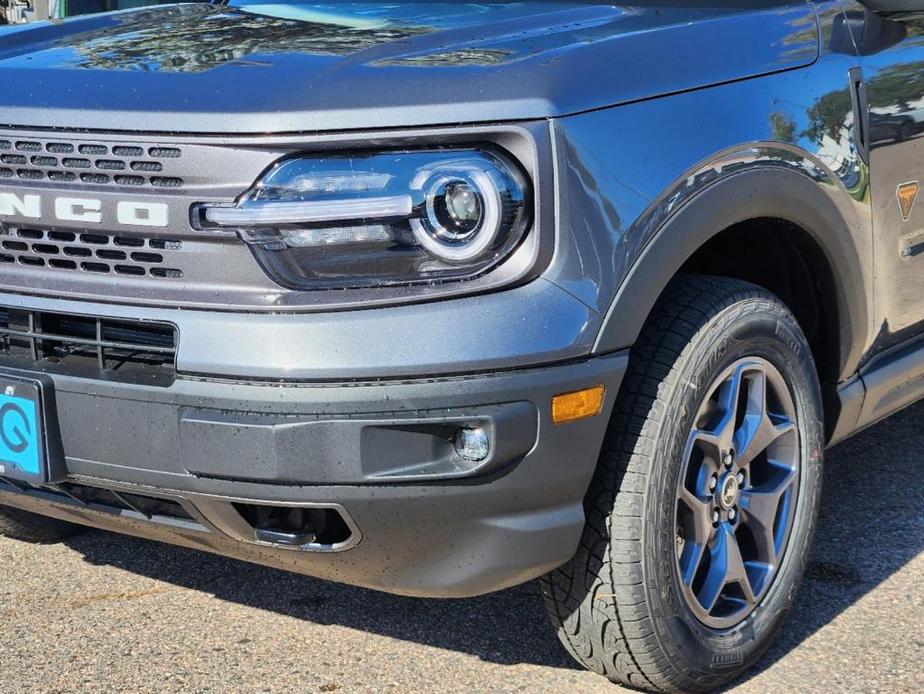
(263, 67)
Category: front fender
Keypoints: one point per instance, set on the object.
(760, 181)
(642, 186)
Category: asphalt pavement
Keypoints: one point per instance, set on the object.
(109, 613)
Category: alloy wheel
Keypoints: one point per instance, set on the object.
(736, 496)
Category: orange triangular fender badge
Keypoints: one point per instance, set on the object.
(907, 194)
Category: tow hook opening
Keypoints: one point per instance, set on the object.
(293, 526)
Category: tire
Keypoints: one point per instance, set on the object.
(627, 605)
(29, 527)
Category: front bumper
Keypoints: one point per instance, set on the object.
(369, 451)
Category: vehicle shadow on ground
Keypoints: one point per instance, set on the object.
(872, 524)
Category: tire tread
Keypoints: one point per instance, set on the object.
(30, 527)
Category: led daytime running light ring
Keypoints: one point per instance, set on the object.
(438, 241)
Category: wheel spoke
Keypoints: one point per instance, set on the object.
(760, 505)
(690, 559)
(759, 428)
(736, 572)
(756, 434)
(729, 392)
(701, 515)
(716, 442)
(753, 428)
(711, 448)
(715, 581)
(726, 567)
(701, 532)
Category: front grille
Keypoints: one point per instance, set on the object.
(129, 351)
(91, 163)
(128, 255)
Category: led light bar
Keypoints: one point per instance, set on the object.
(267, 212)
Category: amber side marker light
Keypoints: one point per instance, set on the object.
(581, 404)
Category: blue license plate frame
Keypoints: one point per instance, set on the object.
(30, 449)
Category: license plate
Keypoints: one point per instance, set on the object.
(23, 434)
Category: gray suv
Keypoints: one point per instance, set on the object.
(439, 298)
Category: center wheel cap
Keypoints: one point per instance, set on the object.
(728, 492)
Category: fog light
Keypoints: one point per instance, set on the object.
(473, 444)
(568, 407)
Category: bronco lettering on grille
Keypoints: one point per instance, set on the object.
(86, 210)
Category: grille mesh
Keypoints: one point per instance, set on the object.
(89, 163)
(123, 254)
(113, 349)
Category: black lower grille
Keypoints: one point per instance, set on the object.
(102, 499)
(115, 350)
(123, 501)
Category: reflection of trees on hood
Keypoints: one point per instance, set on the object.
(198, 38)
(805, 33)
(462, 56)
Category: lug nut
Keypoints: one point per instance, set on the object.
(712, 482)
(740, 478)
(728, 460)
(715, 516)
(731, 514)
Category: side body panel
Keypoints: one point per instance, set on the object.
(893, 69)
(891, 50)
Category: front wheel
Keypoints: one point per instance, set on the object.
(701, 512)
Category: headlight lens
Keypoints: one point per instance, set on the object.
(381, 219)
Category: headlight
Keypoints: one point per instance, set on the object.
(381, 219)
